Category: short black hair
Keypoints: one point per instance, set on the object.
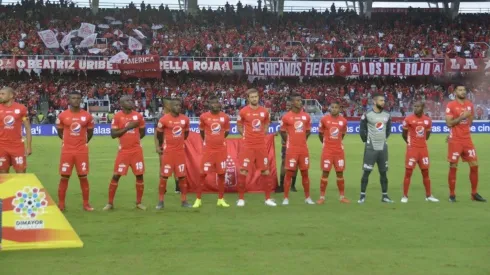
(213, 97)
(456, 85)
(75, 93)
(335, 102)
(294, 95)
(378, 95)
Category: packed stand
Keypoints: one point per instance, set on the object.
(354, 94)
(244, 31)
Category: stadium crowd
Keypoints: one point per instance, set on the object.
(244, 31)
(194, 88)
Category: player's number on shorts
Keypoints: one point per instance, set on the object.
(84, 165)
(139, 165)
(341, 162)
(472, 153)
(223, 164)
(425, 160)
(181, 167)
(19, 160)
(306, 161)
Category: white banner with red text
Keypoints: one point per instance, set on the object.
(80, 64)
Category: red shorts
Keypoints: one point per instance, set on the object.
(133, 159)
(294, 161)
(464, 150)
(415, 156)
(80, 161)
(14, 156)
(173, 163)
(333, 159)
(254, 156)
(214, 161)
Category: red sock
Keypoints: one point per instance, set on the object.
(183, 189)
(202, 179)
(406, 181)
(140, 188)
(305, 180)
(221, 186)
(162, 187)
(426, 180)
(341, 186)
(62, 187)
(452, 180)
(323, 186)
(474, 179)
(287, 183)
(242, 179)
(85, 189)
(112, 191)
(265, 179)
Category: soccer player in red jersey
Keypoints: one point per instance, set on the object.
(75, 128)
(166, 110)
(280, 188)
(13, 115)
(459, 117)
(295, 129)
(416, 131)
(214, 127)
(331, 132)
(124, 125)
(253, 123)
(172, 131)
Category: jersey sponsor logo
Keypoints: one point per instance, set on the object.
(177, 131)
(298, 126)
(9, 121)
(256, 124)
(215, 128)
(75, 127)
(420, 130)
(334, 132)
(379, 126)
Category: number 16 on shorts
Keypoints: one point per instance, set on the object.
(297, 161)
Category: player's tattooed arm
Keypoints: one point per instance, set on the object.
(27, 127)
(388, 127)
(363, 131)
(284, 136)
(142, 133)
(405, 135)
(90, 134)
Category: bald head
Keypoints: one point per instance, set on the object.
(7, 95)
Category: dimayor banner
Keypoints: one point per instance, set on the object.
(438, 126)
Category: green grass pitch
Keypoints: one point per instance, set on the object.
(374, 238)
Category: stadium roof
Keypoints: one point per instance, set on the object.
(398, 1)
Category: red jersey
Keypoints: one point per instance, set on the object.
(214, 127)
(333, 128)
(418, 128)
(131, 139)
(173, 129)
(460, 132)
(296, 125)
(74, 127)
(254, 123)
(11, 119)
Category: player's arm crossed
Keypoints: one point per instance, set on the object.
(116, 132)
(363, 130)
(451, 121)
(27, 127)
